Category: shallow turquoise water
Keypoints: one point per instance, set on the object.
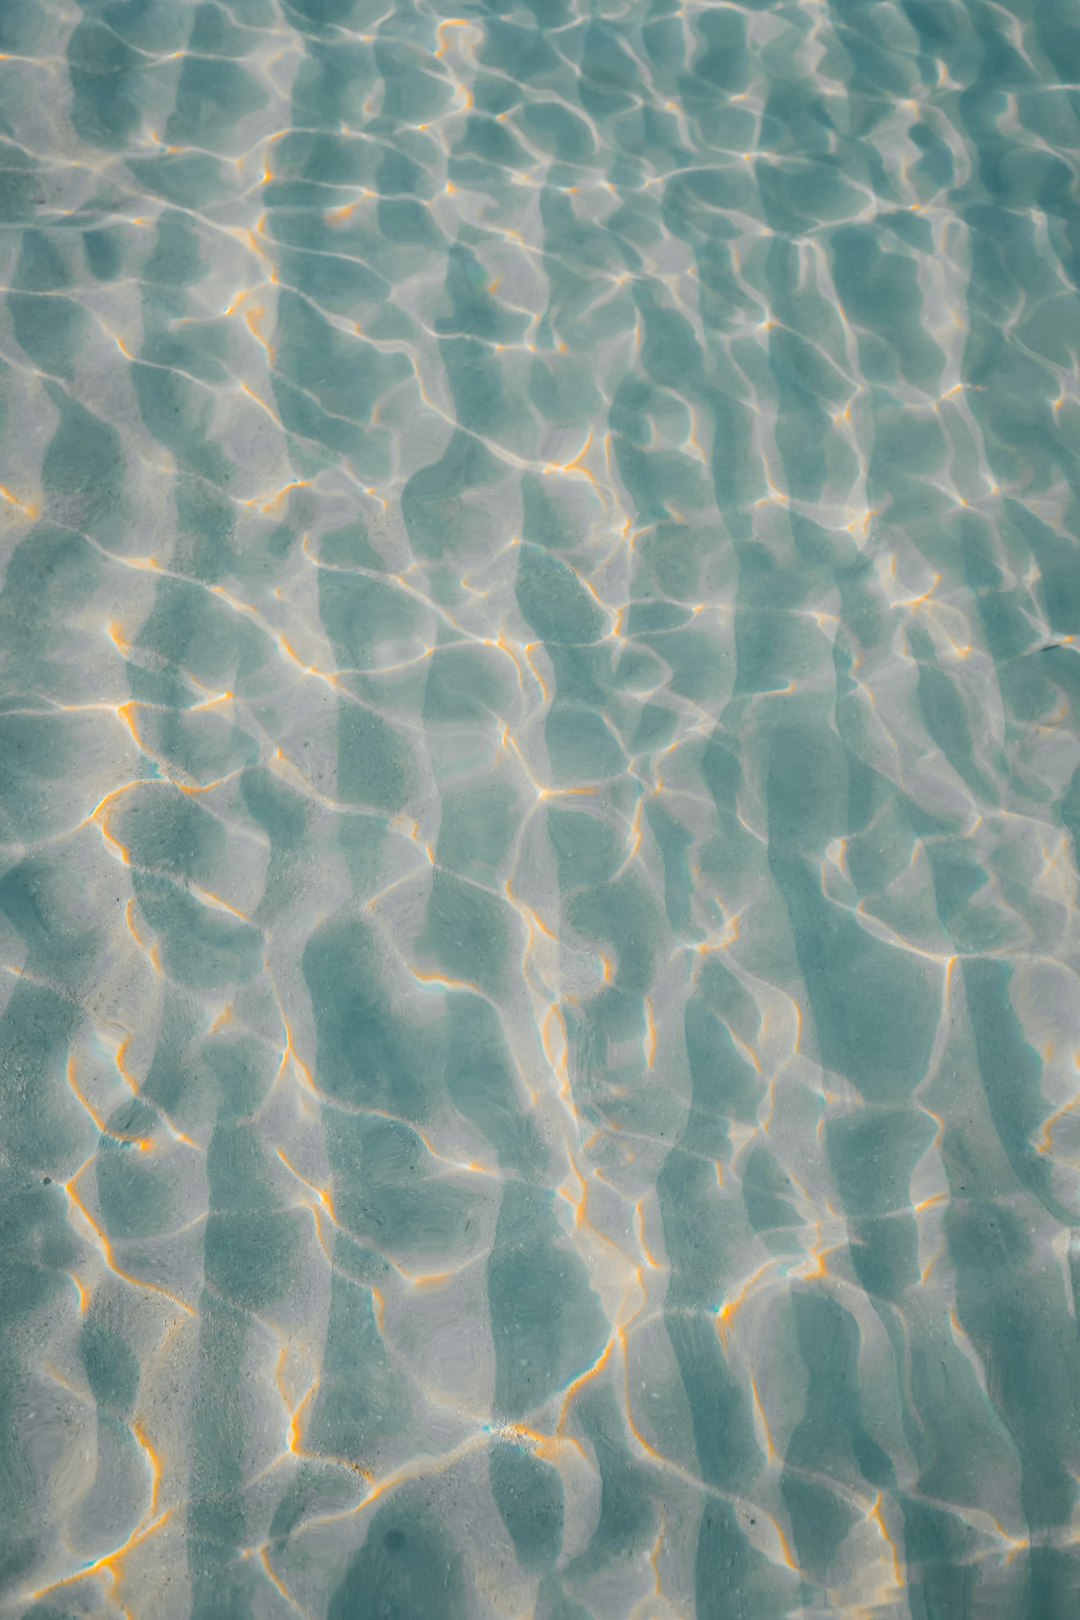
(539, 1030)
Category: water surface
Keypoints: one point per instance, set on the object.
(538, 786)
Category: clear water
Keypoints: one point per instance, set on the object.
(538, 778)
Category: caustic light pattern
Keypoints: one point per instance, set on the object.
(539, 777)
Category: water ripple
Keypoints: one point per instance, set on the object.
(538, 802)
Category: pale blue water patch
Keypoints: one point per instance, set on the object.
(539, 797)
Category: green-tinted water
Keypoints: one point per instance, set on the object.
(539, 778)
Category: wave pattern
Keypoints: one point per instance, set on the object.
(538, 787)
